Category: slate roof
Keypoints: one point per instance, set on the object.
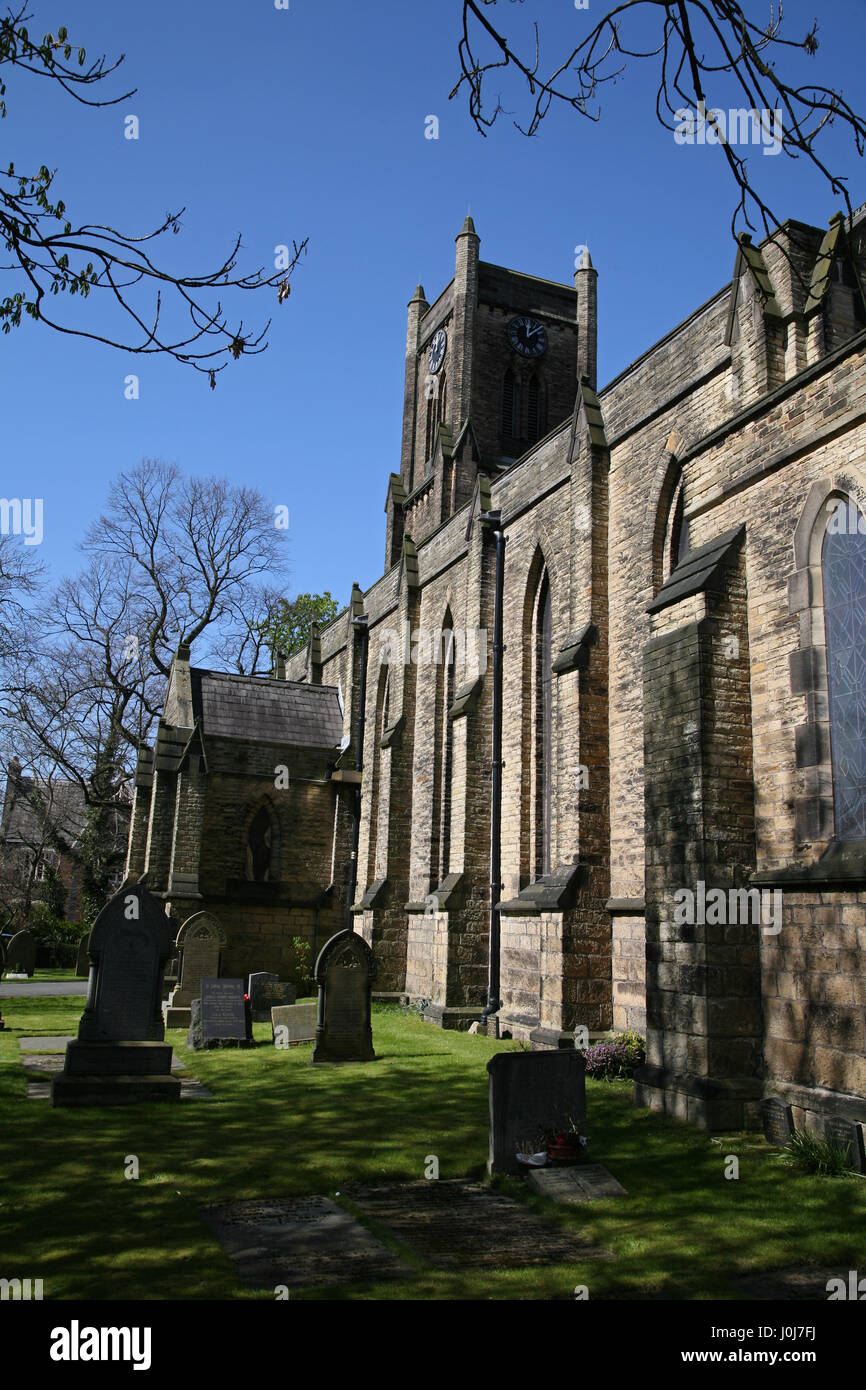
(64, 805)
(65, 811)
(260, 709)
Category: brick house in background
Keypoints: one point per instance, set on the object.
(678, 565)
(40, 830)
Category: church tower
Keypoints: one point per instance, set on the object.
(491, 368)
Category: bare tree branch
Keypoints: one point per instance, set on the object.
(56, 258)
(699, 43)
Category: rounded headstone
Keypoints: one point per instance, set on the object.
(21, 954)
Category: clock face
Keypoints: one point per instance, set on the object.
(436, 355)
(527, 336)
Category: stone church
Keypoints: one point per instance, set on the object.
(592, 751)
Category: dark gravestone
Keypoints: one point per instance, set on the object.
(225, 1020)
(344, 974)
(847, 1135)
(82, 964)
(532, 1095)
(193, 1035)
(267, 992)
(778, 1122)
(21, 954)
(120, 1054)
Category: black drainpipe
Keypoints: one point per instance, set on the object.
(361, 624)
(494, 1002)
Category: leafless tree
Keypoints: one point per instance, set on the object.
(171, 560)
(52, 256)
(699, 47)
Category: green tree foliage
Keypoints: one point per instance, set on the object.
(289, 630)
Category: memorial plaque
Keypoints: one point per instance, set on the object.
(532, 1094)
(293, 1023)
(120, 1054)
(21, 954)
(847, 1135)
(266, 992)
(777, 1121)
(344, 974)
(223, 1010)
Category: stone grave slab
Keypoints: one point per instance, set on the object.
(120, 1055)
(847, 1134)
(453, 1224)
(200, 941)
(532, 1093)
(43, 1067)
(268, 991)
(303, 1242)
(795, 1283)
(585, 1182)
(778, 1122)
(344, 973)
(21, 955)
(293, 1024)
(45, 1043)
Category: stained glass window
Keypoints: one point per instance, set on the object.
(844, 572)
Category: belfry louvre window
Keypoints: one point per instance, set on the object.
(436, 404)
(843, 567)
(509, 428)
(536, 422)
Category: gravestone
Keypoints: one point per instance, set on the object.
(21, 954)
(120, 1054)
(778, 1122)
(847, 1134)
(82, 964)
(293, 1024)
(199, 942)
(267, 992)
(344, 974)
(222, 1018)
(532, 1094)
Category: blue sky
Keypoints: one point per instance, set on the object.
(310, 122)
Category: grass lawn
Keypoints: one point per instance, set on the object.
(278, 1127)
(55, 972)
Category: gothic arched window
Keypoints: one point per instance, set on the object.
(543, 727)
(843, 572)
(381, 717)
(262, 847)
(678, 546)
(443, 755)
